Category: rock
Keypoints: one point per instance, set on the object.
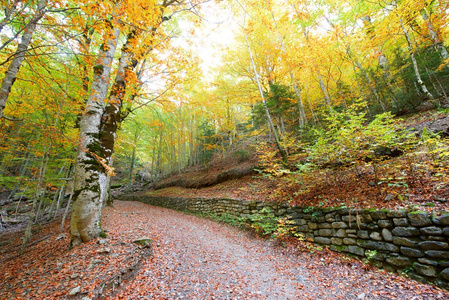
(425, 270)
(445, 274)
(400, 222)
(104, 251)
(340, 233)
(372, 226)
(325, 226)
(405, 231)
(343, 211)
(433, 245)
(322, 240)
(427, 261)
(402, 241)
(376, 236)
(381, 246)
(446, 230)
(338, 225)
(440, 126)
(411, 252)
(74, 276)
(325, 232)
(396, 213)
(144, 242)
(386, 234)
(399, 261)
(436, 238)
(419, 278)
(337, 241)
(378, 215)
(300, 222)
(313, 226)
(389, 197)
(330, 218)
(431, 230)
(438, 254)
(363, 234)
(385, 223)
(356, 250)
(75, 291)
(102, 241)
(385, 152)
(361, 296)
(443, 220)
(419, 219)
(349, 241)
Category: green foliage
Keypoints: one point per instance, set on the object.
(407, 95)
(348, 138)
(264, 222)
(241, 155)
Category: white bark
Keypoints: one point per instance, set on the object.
(19, 55)
(302, 113)
(327, 99)
(421, 83)
(267, 112)
(90, 178)
(434, 35)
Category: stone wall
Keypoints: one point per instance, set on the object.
(396, 240)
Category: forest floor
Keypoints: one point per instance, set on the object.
(190, 258)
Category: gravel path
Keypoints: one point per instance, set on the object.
(196, 258)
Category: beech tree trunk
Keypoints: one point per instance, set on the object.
(267, 112)
(90, 173)
(302, 113)
(19, 55)
(434, 35)
(421, 83)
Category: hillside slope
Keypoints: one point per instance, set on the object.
(412, 180)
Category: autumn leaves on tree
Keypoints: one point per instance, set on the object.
(74, 71)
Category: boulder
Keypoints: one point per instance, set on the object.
(440, 126)
(419, 219)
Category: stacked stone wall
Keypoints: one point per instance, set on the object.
(397, 240)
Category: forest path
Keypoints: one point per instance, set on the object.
(196, 258)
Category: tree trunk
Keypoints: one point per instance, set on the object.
(421, 83)
(19, 55)
(434, 35)
(267, 112)
(327, 98)
(302, 114)
(90, 174)
(133, 159)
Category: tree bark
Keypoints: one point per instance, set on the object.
(421, 83)
(434, 35)
(19, 55)
(267, 112)
(90, 174)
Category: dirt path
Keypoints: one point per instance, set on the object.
(196, 258)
